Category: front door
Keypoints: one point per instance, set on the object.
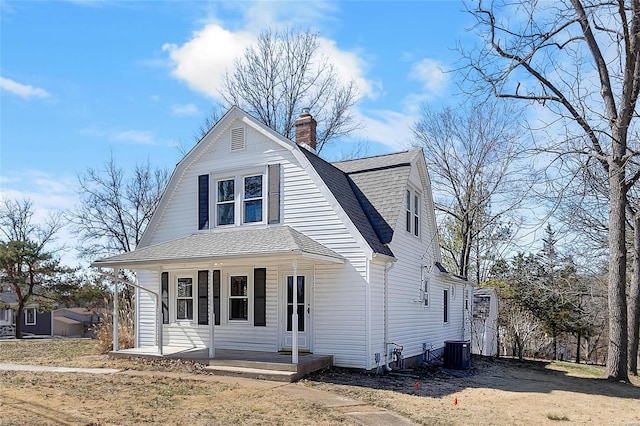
(304, 309)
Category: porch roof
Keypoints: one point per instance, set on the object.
(245, 243)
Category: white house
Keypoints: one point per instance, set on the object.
(247, 213)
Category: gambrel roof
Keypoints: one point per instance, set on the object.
(381, 182)
(346, 193)
(370, 191)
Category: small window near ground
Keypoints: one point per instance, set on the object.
(30, 316)
(238, 299)
(445, 306)
(184, 299)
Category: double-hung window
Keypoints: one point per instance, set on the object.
(238, 298)
(412, 207)
(225, 202)
(30, 316)
(416, 215)
(184, 299)
(252, 199)
(408, 208)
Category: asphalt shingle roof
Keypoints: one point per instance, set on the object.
(351, 200)
(381, 182)
(234, 243)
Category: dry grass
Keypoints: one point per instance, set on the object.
(499, 392)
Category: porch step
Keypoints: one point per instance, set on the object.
(255, 373)
(256, 365)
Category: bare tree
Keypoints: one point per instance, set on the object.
(284, 73)
(580, 60)
(115, 210)
(25, 263)
(474, 154)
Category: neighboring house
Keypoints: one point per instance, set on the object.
(33, 320)
(247, 213)
(484, 323)
(74, 322)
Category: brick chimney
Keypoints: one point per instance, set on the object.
(306, 130)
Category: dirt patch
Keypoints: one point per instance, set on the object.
(498, 392)
(492, 392)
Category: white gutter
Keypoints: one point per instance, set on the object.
(156, 297)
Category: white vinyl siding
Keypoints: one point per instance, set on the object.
(411, 323)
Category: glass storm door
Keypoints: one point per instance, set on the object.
(303, 309)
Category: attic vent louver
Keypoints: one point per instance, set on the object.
(237, 139)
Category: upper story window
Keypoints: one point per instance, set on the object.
(416, 215)
(245, 197)
(249, 190)
(407, 205)
(412, 208)
(225, 202)
(253, 199)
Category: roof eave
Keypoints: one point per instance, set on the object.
(139, 264)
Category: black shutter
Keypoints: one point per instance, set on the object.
(260, 297)
(203, 202)
(165, 297)
(216, 295)
(203, 297)
(274, 193)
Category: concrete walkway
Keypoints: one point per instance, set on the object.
(358, 411)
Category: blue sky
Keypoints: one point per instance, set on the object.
(82, 80)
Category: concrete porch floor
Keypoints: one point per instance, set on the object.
(229, 362)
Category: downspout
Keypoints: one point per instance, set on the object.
(156, 297)
(387, 358)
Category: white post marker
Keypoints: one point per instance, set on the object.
(212, 317)
(115, 315)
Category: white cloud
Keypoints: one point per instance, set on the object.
(430, 73)
(348, 65)
(203, 60)
(25, 91)
(390, 128)
(186, 109)
(136, 137)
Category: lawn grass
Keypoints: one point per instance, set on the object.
(498, 392)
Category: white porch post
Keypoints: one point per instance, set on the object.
(212, 317)
(294, 316)
(159, 323)
(115, 315)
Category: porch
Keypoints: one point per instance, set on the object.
(276, 366)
